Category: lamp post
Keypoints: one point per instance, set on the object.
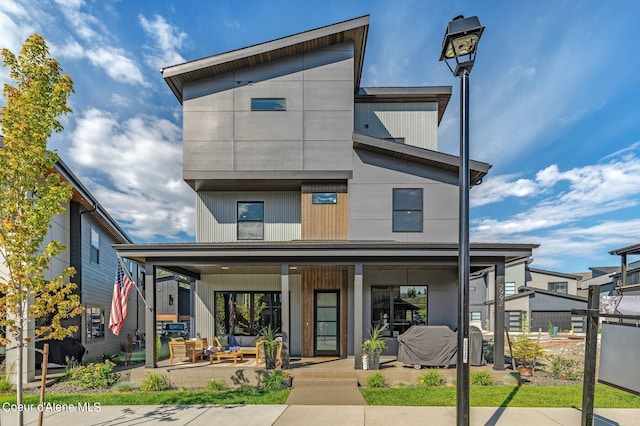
(460, 43)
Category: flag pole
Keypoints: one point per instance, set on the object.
(126, 271)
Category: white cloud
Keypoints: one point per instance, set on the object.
(86, 26)
(138, 166)
(16, 28)
(167, 41)
(498, 188)
(116, 64)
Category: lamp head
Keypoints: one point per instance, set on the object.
(461, 39)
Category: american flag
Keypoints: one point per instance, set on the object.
(121, 290)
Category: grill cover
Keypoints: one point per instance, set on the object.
(436, 346)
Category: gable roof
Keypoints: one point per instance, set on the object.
(525, 291)
(355, 30)
(428, 157)
(555, 274)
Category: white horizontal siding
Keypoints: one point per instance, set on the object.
(417, 123)
(217, 215)
(204, 304)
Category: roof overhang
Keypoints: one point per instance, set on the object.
(435, 94)
(447, 162)
(194, 259)
(634, 249)
(354, 30)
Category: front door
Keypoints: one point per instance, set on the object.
(327, 322)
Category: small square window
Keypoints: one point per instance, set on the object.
(268, 104)
(325, 198)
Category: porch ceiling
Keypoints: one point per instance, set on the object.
(195, 259)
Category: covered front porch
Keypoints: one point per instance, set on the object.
(324, 289)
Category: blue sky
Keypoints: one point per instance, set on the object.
(553, 101)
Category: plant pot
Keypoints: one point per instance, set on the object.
(525, 372)
(270, 362)
(374, 362)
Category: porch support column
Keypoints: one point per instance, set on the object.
(284, 279)
(498, 320)
(357, 316)
(623, 270)
(150, 315)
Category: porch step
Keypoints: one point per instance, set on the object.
(318, 391)
(321, 382)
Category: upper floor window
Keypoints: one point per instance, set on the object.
(325, 198)
(407, 210)
(95, 246)
(509, 288)
(268, 104)
(251, 220)
(560, 287)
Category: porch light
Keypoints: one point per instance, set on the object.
(461, 41)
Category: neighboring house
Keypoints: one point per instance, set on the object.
(173, 300)
(88, 232)
(602, 276)
(323, 208)
(542, 309)
(627, 281)
(554, 281)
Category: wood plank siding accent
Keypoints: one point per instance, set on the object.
(324, 221)
(322, 278)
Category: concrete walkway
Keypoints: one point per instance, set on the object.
(311, 415)
(325, 392)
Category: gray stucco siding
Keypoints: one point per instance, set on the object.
(318, 89)
(371, 201)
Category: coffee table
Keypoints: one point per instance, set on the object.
(228, 355)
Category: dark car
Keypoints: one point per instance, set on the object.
(175, 329)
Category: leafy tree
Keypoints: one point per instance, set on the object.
(31, 194)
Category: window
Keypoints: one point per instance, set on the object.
(94, 323)
(170, 299)
(407, 210)
(509, 288)
(95, 246)
(476, 316)
(399, 307)
(560, 287)
(251, 220)
(325, 198)
(268, 104)
(246, 313)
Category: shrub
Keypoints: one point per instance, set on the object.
(431, 378)
(153, 382)
(526, 352)
(106, 357)
(94, 375)
(5, 383)
(482, 378)
(217, 385)
(126, 386)
(275, 380)
(567, 369)
(376, 380)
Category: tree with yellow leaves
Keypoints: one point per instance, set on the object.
(32, 193)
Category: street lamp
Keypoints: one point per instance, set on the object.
(461, 43)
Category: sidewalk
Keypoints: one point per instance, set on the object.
(284, 415)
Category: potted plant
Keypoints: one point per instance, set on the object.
(268, 337)
(526, 352)
(373, 347)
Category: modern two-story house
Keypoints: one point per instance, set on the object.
(323, 207)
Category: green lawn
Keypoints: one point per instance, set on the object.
(501, 396)
(489, 396)
(241, 396)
